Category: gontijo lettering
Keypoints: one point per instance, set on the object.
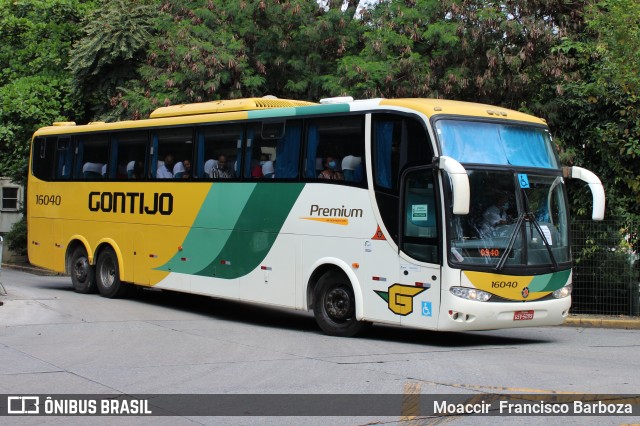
(131, 202)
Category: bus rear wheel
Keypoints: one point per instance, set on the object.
(83, 274)
(108, 275)
(334, 305)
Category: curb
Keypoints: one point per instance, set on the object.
(603, 322)
(30, 269)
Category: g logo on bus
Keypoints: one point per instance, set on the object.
(400, 298)
(525, 292)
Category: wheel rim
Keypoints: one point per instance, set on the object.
(338, 304)
(81, 269)
(107, 272)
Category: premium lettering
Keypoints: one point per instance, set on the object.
(131, 202)
(318, 211)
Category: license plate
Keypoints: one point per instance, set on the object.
(522, 315)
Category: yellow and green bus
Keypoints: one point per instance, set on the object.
(427, 213)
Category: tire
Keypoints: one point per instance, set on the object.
(108, 275)
(334, 305)
(83, 274)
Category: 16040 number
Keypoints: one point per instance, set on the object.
(48, 200)
(504, 284)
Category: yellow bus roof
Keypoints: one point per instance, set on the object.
(238, 109)
(433, 107)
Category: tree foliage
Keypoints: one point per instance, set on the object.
(116, 34)
(229, 49)
(35, 88)
(573, 63)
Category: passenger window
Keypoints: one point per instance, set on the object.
(335, 149)
(172, 153)
(129, 150)
(91, 156)
(42, 155)
(273, 150)
(216, 142)
(398, 142)
(64, 157)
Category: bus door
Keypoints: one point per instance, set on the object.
(418, 293)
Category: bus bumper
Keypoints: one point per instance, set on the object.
(466, 315)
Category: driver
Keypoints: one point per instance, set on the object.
(496, 215)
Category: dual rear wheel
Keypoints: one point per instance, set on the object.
(104, 277)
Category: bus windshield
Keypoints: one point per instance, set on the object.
(515, 219)
(496, 143)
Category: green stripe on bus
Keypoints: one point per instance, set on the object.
(297, 111)
(239, 242)
(549, 282)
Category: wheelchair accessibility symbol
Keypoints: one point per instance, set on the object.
(524, 180)
(426, 309)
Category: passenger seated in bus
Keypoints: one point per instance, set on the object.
(256, 169)
(187, 169)
(164, 170)
(330, 170)
(178, 170)
(352, 168)
(134, 169)
(92, 170)
(268, 171)
(220, 170)
(208, 166)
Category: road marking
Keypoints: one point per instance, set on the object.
(411, 401)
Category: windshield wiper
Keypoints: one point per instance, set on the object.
(512, 239)
(533, 220)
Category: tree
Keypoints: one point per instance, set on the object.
(35, 88)
(117, 34)
(597, 114)
(486, 51)
(229, 49)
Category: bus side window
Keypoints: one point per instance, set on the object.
(42, 157)
(342, 140)
(91, 156)
(174, 148)
(64, 158)
(130, 149)
(273, 155)
(215, 141)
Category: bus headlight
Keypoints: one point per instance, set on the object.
(470, 293)
(563, 292)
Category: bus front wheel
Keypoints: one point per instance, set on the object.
(108, 274)
(334, 305)
(83, 274)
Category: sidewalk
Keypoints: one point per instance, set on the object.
(600, 321)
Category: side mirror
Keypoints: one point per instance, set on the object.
(459, 183)
(597, 190)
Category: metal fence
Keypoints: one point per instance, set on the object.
(606, 274)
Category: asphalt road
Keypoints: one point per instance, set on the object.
(55, 341)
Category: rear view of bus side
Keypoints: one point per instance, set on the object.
(427, 213)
